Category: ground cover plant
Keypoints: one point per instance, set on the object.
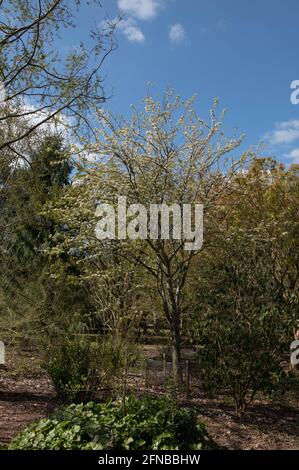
(144, 424)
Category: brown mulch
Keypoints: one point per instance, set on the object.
(23, 401)
(267, 426)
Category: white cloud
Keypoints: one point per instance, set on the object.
(177, 33)
(293, 155)
(285, 139)
(130, 29)
(285, 132)
(141, 9)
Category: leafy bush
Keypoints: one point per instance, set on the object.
(244, 311)
(240, 357)
(78, 365)
(73, 366)
(117, 353)
(150, 424)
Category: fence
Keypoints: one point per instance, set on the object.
(159, 373)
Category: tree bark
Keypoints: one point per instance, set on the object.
(176, 347)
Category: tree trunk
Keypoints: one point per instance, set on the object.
(176, 348)
(172, 310)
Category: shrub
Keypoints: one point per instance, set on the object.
(149, 424)
(73, 366)
(240, 355)
(78, 366)
(243, 317)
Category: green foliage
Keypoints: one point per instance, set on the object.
(24, 283)
(35, 292)
(240, 355)
(117, 354)
(246, 286)
(150, 424)
(73, 366)
(79, 363)
(241, 327)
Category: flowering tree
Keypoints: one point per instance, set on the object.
(166, 154)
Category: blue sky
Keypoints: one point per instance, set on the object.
(243, 51)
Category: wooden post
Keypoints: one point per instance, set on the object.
(164, 367)
(146, 373)
(187, 379)
(125, 382)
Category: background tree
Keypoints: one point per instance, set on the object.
(29, 297)
(41, 85)
(246, 285)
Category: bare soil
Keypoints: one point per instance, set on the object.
(26, 395)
